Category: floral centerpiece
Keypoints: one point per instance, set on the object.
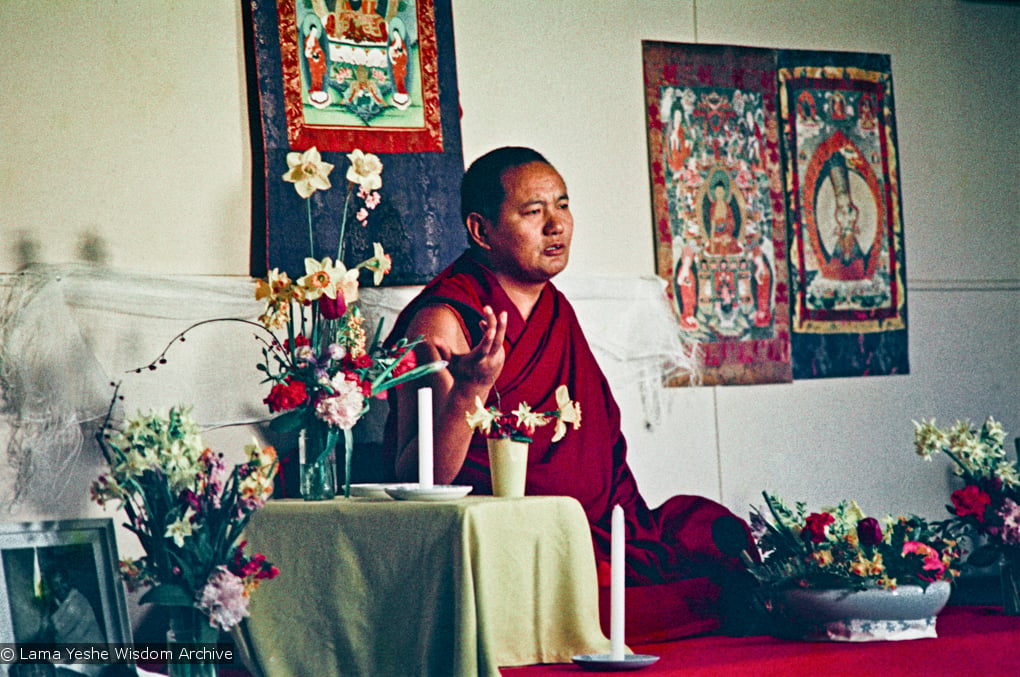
(325, 371)
(988, 505)
(841, 547)
(828, 574)
(188, 511)
(519, 425)
(323, 368)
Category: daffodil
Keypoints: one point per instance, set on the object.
(275, 284)
(180, 528)
(308, 172)
(380, 264)
(528, 419)
(365, 170)
(481, 418)
(321, 278)
(567, 412)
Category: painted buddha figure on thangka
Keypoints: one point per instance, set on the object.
(847, 266)
(842, 211)
(723, 280)
(363, 53)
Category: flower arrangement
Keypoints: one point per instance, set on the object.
(188, 512)
(988, 504)
(520, 424)
(842, 548)
(324, 371)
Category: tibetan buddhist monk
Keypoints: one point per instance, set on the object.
(510, 336)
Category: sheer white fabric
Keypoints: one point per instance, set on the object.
(68, 332)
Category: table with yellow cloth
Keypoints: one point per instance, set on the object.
(381, 587)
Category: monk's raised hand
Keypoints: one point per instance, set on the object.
(484, 361)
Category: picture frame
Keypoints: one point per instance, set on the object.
(52, 572)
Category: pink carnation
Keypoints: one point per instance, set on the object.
(932, 561)
(223, 599)
(343, 408)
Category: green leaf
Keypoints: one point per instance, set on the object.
(287, 423)
(167, 595)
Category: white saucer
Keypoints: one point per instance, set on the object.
(438, 492)
(603, 661)
(370, 491)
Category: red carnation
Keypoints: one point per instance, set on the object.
(363, 361)
(286, 396)
(407, 362)
(815, 525)
(971, 501)
(299, 340)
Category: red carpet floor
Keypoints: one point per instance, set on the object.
(972, 641)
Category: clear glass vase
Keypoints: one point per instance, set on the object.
(190, 635)
(317, 454)
(1009, 574)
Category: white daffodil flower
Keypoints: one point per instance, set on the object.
(308, 172)
(365, 170)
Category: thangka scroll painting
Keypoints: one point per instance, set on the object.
(718, 209)
(848, 281)
(339, 75)
(776, 207)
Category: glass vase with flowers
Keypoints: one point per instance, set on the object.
(322, 366)
(987, 506)
(188, 512)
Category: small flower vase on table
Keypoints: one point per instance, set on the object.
(190, 633)
(1009, 572)
(508, 463)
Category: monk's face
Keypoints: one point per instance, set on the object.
(531, 238)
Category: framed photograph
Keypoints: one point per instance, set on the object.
(59, 583)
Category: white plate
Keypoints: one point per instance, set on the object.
(438, 492)
(603, 661)
(369, 491)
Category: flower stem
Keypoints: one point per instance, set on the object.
(311, 237)
(343, 224)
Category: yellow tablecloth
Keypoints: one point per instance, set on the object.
(382, 588)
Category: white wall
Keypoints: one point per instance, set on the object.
(125, 122)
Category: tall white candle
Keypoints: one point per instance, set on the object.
(425, 472)
(616, 589)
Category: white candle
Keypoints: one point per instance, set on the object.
(616, 588)
(425, 472)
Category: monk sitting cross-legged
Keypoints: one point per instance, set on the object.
(507, 333)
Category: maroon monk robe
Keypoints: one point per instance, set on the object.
(672, 542)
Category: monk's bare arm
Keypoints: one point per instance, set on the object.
(471, 373)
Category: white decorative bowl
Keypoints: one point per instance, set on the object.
(907, 612)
